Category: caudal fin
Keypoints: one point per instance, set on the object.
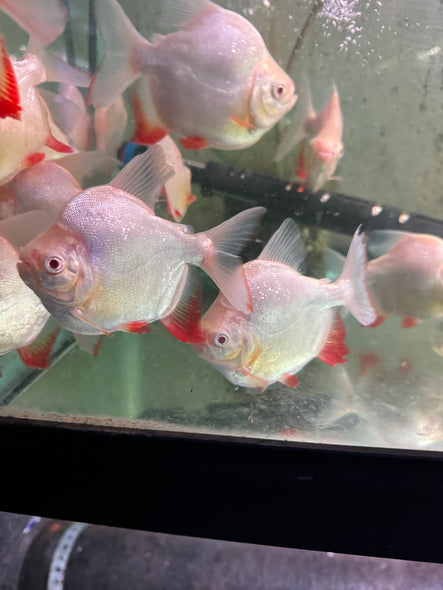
(118, 67)
(221, 262)
(358, 301)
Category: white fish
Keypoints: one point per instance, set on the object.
(34, 137)
(294, 317)
(407, 278)
(108, 263)
(322, 146)
(213, 81)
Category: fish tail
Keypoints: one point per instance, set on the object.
(358, 300)
(220, 261)
(119, 66)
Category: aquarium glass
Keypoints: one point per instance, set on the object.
(385, 62)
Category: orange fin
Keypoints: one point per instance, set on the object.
(136, 327)
(257, 382)
(334, 350)
(193, 142)
(289, 380)
(9, 92)
(37, 354)
(184, 321)
(367, 362)
(58, 146)
(77, 313)
(380, 319)
(300, 169)
(146, 132)
(245, 123)
(409, 322)
(89, 344)
(33, 159)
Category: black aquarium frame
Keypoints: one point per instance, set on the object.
(368, 501)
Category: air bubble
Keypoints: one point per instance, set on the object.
(376, 210)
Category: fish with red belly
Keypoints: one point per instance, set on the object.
(294, 317)
(108, 263)
(213, 81)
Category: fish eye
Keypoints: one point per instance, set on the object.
(221, 340)
(54, 264)
(278, 90)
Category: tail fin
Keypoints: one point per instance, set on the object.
(358, 301)
(226, 269)
(118, 67)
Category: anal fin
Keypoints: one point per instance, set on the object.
(184, 322)
(335, 349)
(289, 380)
(37, 354)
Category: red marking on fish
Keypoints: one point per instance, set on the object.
(145, 132)
(368, 362)
(184, 323)
(409, 322)
(9, 92)
(334, 349)
(58, 146)
(289, 380)
(245, 123)
(136, 328)
(33, 159)
(193, 142)
(37, 354)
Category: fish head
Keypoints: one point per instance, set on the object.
(56, 266)
(229, 339)
(272, 94)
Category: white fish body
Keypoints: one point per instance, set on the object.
(108, 263)
(34, 136)
(294, 317)
(213, 81)
(46, 186)
(22, 315)
(322, 146)
(407, 277)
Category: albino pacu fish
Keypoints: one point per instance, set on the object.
(32, 136)
(46, 186)
(213, 81)
(22, 316)
(108, 263)
(321, 136)
(294, 317)
(407, 278)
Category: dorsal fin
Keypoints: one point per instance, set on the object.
(176, 13)
(145, 175)
(382, 240)
(335, 349)
(286, 246)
